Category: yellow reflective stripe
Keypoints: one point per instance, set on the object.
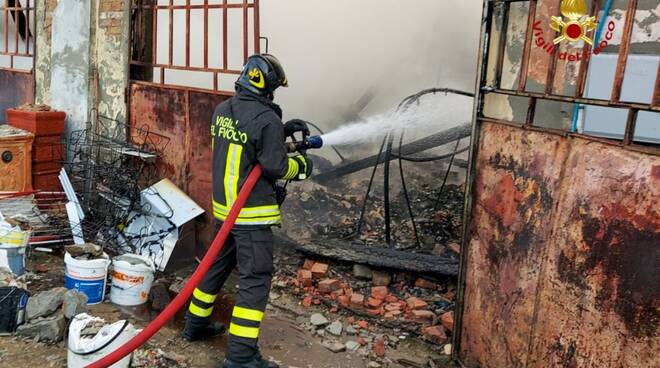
(242, 331)
(249, 314)
(272, 220)
(303, 172)
(232, 172)
(204, 297)
(292, 169)
(200, 312)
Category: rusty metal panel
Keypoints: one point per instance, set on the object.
(600, 299)
(199, 184)
(21, 86)
(517, 178)
(563, 253)
(163, 111)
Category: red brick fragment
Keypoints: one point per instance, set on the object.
(304, 277)
(308, 264)
(391, 299)
(329, 285)
(379, 347)
(344, 300)
(392, 307)
(435, 334)
(375, 311)
(319, 270)
(416, 303)
(357, 300)
(362, 341)
(448, 320)
(374, 303)
(379, 292)
(423, 316)
(363, 324)
(425, 284)
(307, 301)
(455, 247)
(41, 268)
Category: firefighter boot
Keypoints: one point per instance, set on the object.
(201, 329)
(257, 362)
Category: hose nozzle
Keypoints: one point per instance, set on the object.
(313, 142)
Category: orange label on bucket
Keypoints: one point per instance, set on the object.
(124, 277)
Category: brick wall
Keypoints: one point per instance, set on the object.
(111, 13)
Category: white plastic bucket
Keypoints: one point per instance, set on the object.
(132, 276)
(13, 245)
(83, 351)
(87, 276)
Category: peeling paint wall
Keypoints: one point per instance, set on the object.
(111, 59)
(69, 63)
(108, 24)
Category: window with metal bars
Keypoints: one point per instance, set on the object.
(601, 77)
(17, 26)
(192, 43)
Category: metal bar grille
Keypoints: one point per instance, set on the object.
(623, 52)
(18, 19)
(202, 38)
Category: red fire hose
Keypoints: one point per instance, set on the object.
(195, 279)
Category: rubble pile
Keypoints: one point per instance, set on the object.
(318, 211)
(398, 302)
(47, 313)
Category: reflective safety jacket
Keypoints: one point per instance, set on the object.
(246, 130)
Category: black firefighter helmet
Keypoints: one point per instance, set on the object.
(262, 74)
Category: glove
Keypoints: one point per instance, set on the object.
(294, 126)
(305, 167)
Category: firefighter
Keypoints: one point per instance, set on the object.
(247, 130)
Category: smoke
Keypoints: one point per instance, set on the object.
(441, 112)
(335, 52)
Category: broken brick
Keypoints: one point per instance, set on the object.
(374, 303)
(308, 264)
(362, 341)
(425, 284)
(41, 268)
(307, 301)
(379, 347)
(319, 270)
(448, 320)
(375, 311)
(391, 299)
(423, 316)
(304, 277)
(392, 307)
(329, 285)
(435, 334)
(344, 300)
(416, 303)
(379, 292)
(363, 324)
(455, 247)
(381, 278)
(357, 300)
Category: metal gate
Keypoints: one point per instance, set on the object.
(17, 42)
(184, 59)
(561, 247)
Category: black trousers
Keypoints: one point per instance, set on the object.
(251, 249)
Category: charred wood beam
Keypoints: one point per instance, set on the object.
(376, 256)
(432, 141)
